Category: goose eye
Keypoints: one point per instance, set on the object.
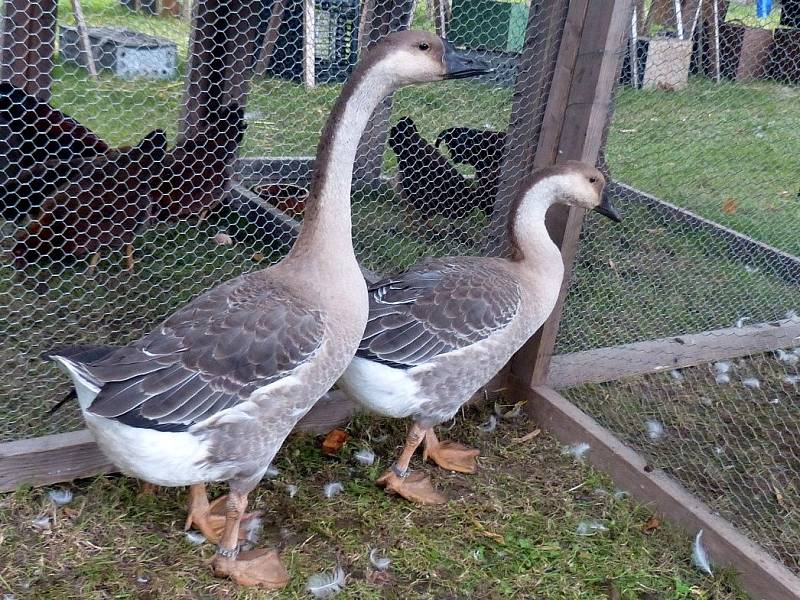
(592, 179)
(424, 46)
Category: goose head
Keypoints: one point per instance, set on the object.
(406, 57)
(572, 183)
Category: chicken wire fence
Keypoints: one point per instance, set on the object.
(703, 151)
(177, 153)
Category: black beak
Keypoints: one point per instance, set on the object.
(458, 65)
(606, 209)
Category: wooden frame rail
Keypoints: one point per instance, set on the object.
(653, 356)
(762, 576)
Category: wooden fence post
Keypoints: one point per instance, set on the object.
(380, 17)
(573, 127)
(28, 44)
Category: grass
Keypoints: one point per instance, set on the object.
(736, 447)
(508, 532)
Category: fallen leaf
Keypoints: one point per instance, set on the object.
(651, 525)
(527, 437)
(729, 206)
(494, 536)
(334, 441)
(257, 257)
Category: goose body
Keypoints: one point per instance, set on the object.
(440, 330)
(211, 394)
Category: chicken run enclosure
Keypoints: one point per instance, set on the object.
(152, 150)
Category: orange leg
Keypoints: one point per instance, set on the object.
(415, 487)
(449, 455)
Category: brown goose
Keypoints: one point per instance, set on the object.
(211, 394)
(439, 331)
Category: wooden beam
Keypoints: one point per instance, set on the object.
(654, 356)
(761, 575)
(574, 126)
(50, 459)
(270, 37)
(83, 36)
(535, 68)
(379, 18)
(309, 44)
(28, 44)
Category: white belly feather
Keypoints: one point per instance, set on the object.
(382, 389)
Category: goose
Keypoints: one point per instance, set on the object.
(212, 392)
(439, 331)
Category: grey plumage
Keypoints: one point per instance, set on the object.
(436, 307)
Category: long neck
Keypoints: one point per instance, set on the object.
(327, 225)
(530, 241)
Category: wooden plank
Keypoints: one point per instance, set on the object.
(309, 44)
(200, 70)
(575, 129)
(50, 459)
(241, 49)
(83, 35)
(271, 37)
(379, 18)
(42, 31)
(535, 68)
(761, 575)
(782, 264)
(654, 356)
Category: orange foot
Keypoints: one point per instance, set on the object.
(209, 518)
(260, 567)
(415, 487)
(452, 456)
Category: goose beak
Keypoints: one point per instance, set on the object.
(606, 209)
(458, 65)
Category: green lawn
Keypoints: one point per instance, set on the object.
(509, 531)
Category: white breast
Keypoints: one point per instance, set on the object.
(382, 389)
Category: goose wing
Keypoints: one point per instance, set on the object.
(435, 308)
(209, 356)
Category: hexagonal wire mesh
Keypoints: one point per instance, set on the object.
(73, 189)
(714, 137)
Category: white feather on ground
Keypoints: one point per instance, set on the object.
(60, 497)
(789, 358)
(381, 563)
(740, 322)
(676, 375)
(752, 383)
(792, 315)
(590, 527)
(252, 528)
(700, 557)
(365, 457)
(655, 430)
(722, 378)
(291, 489)
(271, 472)
(327, 585)
(489, 426)
(333, 488)
(722, 367)
(195, 538)
(578, 451)
(41, 522)
(791, 379)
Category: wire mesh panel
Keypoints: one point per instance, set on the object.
(152, 150)
(692, 301)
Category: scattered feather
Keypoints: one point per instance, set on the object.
(792, 315)
(699, 554)
(751, 268)
(291, 489)
(791, 379)
(489, 426)
(41, 523)
(9, 597)
(516, 410)
(752, 383)
(722, 378)
(365, 457)
(718, 450)
(578, 451)
(676, 375)
(381, 563)
(722, 367)
(194, 538)
(142, 579)
(620, 494)
(272, 472)
(655, 430)
(252, 528)
(590, 527)
(789, 358)
(740, 322)
(326, 585)
(60, 497)
(333, 488)
(223, 239)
